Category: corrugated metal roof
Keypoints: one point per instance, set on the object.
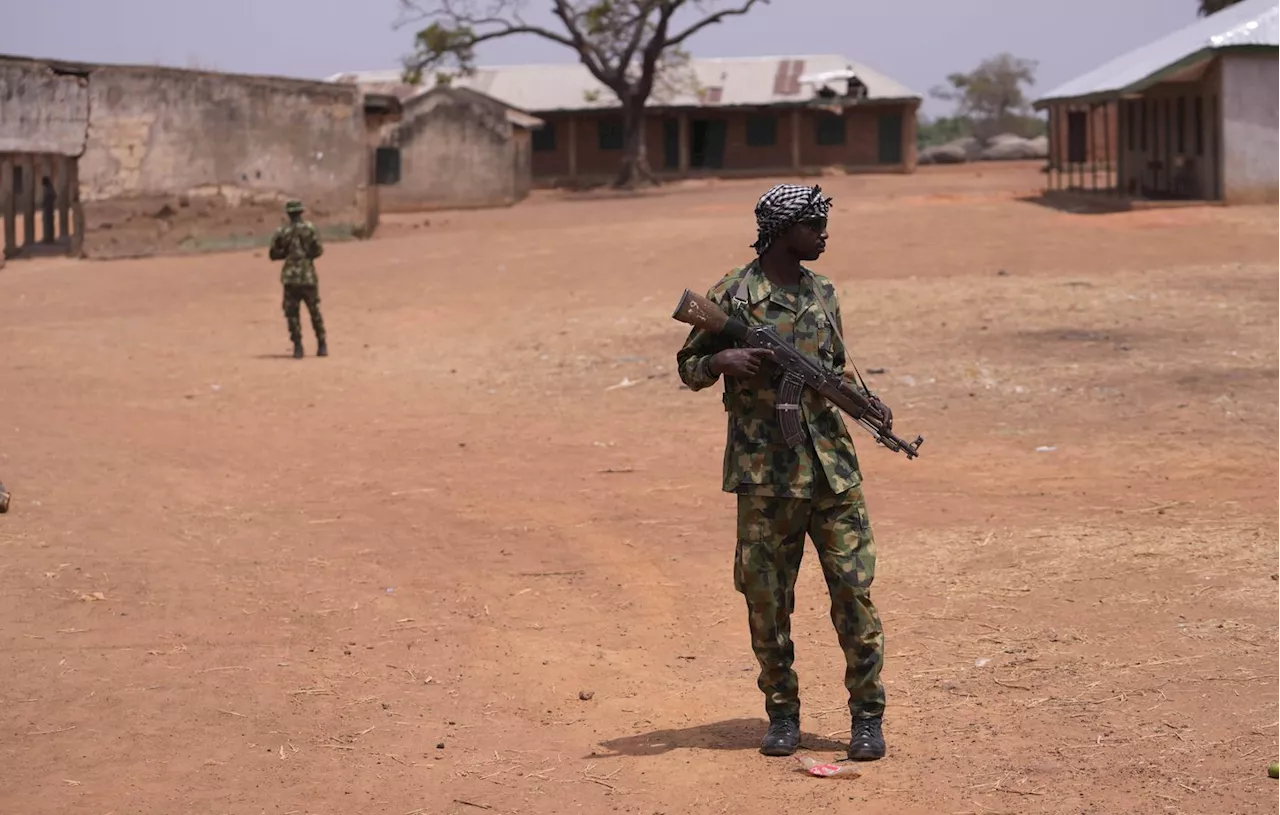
(1251, 22)
(516, 117)
(754, 81)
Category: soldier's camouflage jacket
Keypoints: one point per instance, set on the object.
(756, 459)
(298, 245)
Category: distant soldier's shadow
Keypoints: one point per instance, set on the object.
(733, 734)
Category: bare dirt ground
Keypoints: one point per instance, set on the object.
(232, 582)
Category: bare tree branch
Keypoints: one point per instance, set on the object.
(644, 9)
(657, 45)
(626, 45)
(710, 19)
(591, 57)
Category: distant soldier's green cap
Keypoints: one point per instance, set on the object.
(293, 206)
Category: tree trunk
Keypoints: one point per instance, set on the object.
(635, 171)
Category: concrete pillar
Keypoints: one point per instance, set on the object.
(573, 145)
(372, 201)
(62, 185)
(8, 207)
(682, 148)
(77, 210)
(46, 167)
(909, 153)
(795, 138)
(30, 184)
(1122, 145)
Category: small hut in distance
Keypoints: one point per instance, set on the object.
(1190, 116)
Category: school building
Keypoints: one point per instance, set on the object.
(1190, 116)
(712, 117)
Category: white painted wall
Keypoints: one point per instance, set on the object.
(1249, 127)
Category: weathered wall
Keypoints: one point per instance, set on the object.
(522, 158)
(375, 124)
(1103, 143)
(456, 151)
(42, 110)
(1249, 126)
(183, 160)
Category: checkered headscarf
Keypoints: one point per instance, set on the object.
(782, 207)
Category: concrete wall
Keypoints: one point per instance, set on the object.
(375, 124)
(457, 150)
(1249, 126)
(522, 171)
(175, 161)
(183, 160)
(42, 110)
(578, 158)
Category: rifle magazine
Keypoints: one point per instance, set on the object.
(787, 407)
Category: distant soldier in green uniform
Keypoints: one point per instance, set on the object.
(298, 244)
(787, 492)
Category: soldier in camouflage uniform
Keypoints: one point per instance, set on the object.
(297, 243)
(783, 492)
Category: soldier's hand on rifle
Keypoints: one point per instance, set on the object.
(884, 409)
(742, 363)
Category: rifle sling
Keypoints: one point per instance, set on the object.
(736, 295)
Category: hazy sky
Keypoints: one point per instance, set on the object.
(917, 42)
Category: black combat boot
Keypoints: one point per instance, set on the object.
(297, 349)
(322, 349)
(783, 737)
(866, 741)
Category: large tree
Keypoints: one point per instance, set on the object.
(991, 95)
(629, 46)
(1208, 7)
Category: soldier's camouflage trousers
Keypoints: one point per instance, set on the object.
(294, 296)
(771, 533)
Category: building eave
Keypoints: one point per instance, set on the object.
(1248, 23)
(797, 105)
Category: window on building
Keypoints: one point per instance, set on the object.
(1131, 123)
(1142, 125)
(829, 130)
(1198, 112)
(386, 170)
(1077, 137)
(609, 133)
(762, 131)
(544, 138)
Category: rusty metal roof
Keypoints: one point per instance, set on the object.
(735, 82)
(516, 117)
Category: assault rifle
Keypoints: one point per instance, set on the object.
(798, 371)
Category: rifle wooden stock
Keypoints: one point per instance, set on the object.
(799, 372)
(699, 312)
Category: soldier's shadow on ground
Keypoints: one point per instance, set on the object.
(733, 734)
(273, 356)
